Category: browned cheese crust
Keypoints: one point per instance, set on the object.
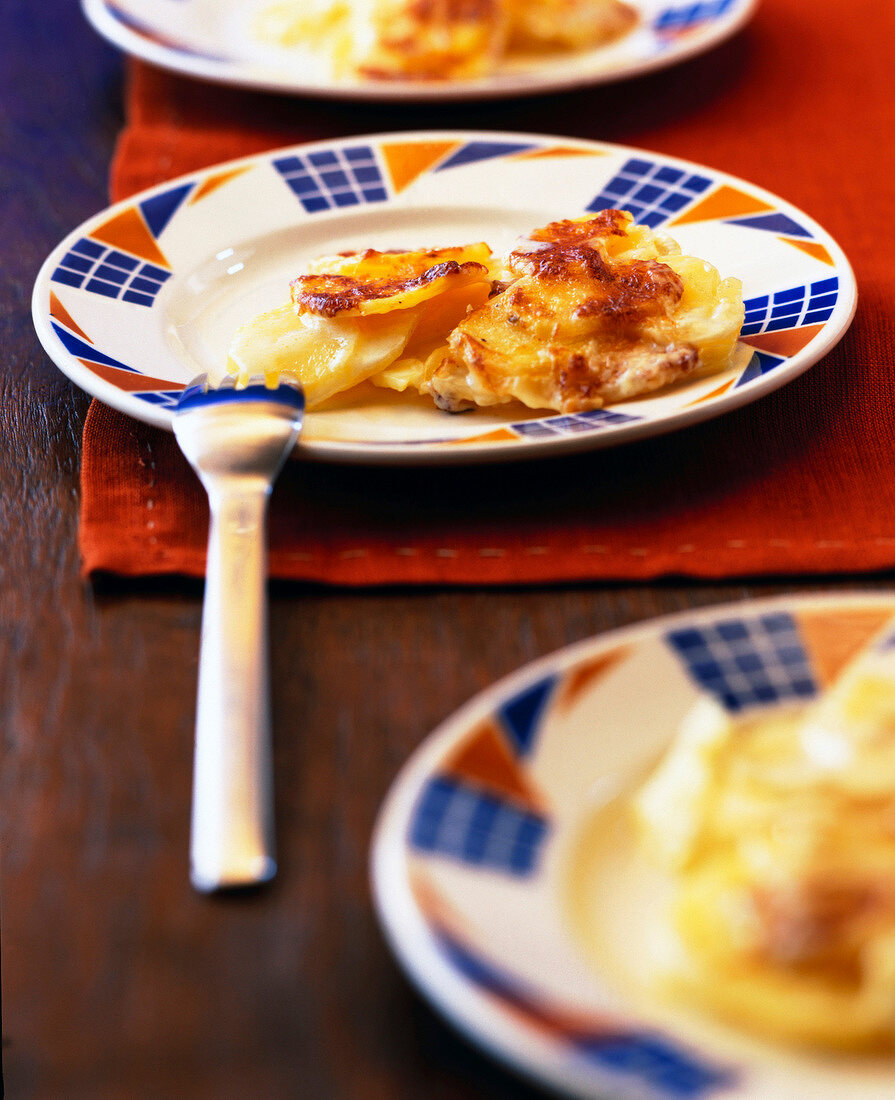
(821, 926)
(440, 40)
(328, 295)
(568, 24)
(435, 39)
(577, 329)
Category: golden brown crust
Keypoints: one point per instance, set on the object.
(568, 24)
(434, 39)
(329, 295)
(437, 40)
(582, 313)
(592, 378)
(619, 291)
(605, 223)
(579, 328)
(820, 924)
(451, 11)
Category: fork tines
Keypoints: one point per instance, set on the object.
(200, 392)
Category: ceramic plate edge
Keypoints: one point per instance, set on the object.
(515, 450)
(462, 1005)
(97, 14)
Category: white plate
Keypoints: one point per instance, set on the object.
(510, 887)
(213, 40)
(147, 294)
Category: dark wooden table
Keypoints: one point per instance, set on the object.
(119, 980)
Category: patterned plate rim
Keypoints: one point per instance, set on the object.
(606, 427)
(682, 30)
(502, 1032)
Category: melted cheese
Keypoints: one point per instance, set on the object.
(567, 24)
(360, 314)
(428, 39)
(778, 833)
(438, 39)
(581, 313)
(599, 311)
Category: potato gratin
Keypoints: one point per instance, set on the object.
(438, 39)
(582, 313)
(779, 835)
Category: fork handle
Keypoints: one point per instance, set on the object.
(232, 828)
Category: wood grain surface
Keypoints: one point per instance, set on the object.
(117, 979)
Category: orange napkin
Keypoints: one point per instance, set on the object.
(802, 481)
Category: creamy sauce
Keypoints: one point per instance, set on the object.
(750, 882)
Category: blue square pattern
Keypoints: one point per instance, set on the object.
(652, 192)
(791, 308)
(747, 662)
(106, 271)
(683, 16)
(595, 420)
(334, 178)
(476, 828)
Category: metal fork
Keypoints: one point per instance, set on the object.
(237, 441)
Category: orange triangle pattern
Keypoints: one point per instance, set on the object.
(785, 343)
(724, 202)
(499, 435)
(130, 381)
(714, 393)
(832, 641)
(583, 677)
(129, 232)
(813, 248)
(58, 310)
(213, 182)
(408, 160)
(485, 758)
